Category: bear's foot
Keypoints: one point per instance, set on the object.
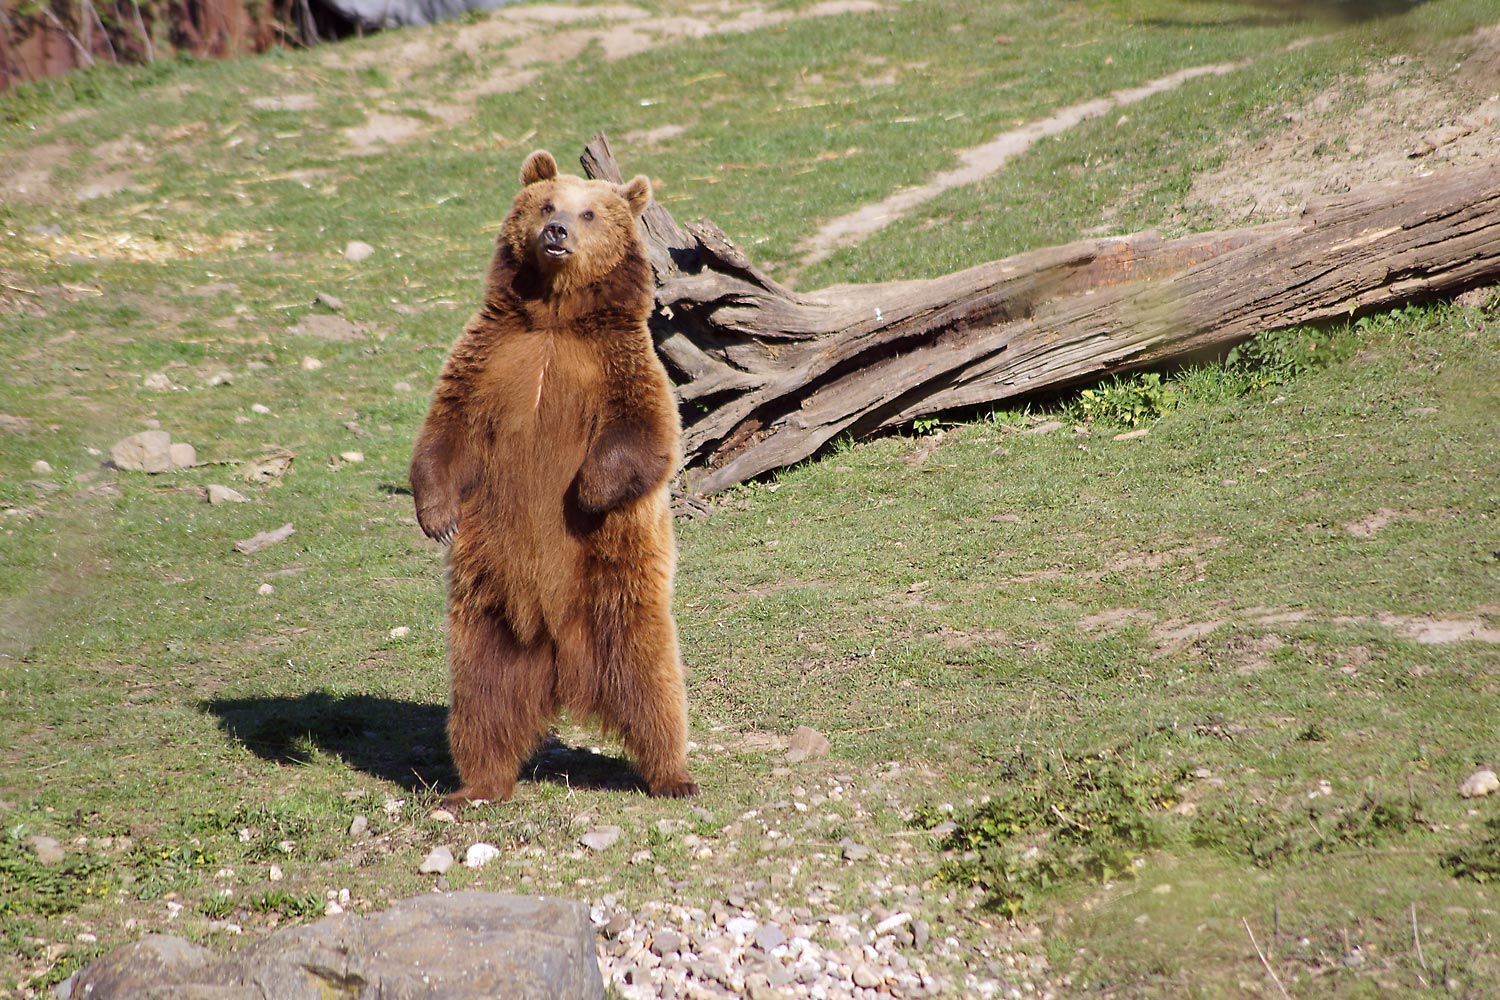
(682, 788)
(469, 795)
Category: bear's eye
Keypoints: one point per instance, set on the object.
(588, 215)
(547, 208)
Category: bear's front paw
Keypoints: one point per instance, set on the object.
(440, 526)
(684, 788)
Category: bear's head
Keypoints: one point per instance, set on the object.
(573, 232)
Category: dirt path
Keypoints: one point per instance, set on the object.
(981, 161)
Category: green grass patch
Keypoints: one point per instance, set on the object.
(1272, 610)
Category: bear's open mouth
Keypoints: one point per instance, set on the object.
(556, 250)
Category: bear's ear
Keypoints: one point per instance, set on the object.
(637, 193)
(539, 166)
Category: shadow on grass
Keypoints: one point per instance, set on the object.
(403, 742)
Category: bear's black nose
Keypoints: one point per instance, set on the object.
(554, 232)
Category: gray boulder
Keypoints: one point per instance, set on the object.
(451, 946)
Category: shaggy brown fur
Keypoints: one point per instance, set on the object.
(544, 462)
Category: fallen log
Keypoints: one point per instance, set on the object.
(766, 375)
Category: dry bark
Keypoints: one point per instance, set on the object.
(768, 375)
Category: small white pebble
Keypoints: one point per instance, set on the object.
(311, 364)
(481, 854)
(400, 632)
(260, 408)
(1479, 784)
(41, 466)
(265, 590)
(352, 456)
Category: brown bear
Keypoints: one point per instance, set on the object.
(544, 464)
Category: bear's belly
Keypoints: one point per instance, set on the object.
(515, 548)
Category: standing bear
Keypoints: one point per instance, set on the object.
(544, 463)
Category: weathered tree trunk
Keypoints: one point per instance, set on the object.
(767, 375)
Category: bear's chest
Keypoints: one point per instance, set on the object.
(544, 387)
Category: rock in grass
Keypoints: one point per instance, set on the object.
(216, 494)
(47, 850)
(807, 744)
(357, 250)
(359, 826)
(152, 451)
(852, 851)
(481, 854)
(437, 862)
(148, 451)
(183, 455)
(600, 839)
(257, 542)
(1479, 784)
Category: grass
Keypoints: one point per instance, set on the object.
(1164, 688)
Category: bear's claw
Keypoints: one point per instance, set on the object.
(684, 789)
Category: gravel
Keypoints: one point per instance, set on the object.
(856, 930)
(765, 950)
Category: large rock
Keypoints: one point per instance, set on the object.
(454, 946)
(148, 451)
(135, 969)
(371, 15)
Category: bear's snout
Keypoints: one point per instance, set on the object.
(555, 238)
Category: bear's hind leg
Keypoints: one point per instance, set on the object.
(502, 699)
(641, 695)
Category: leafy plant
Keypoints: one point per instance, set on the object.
(926, 425)
(292, 905)
(218, 906)
(1278, 356)
(1129, 402)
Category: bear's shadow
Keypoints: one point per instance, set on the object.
(403, 742)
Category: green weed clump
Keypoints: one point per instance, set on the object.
(1271, 358)
(1279, 356)
(30, 888)
(1267, 836)
(1080, 820)
(1477, 862)
(1130, 402)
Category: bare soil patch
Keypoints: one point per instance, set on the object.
(1408, 118)
(522, 42)
(1374, 524)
